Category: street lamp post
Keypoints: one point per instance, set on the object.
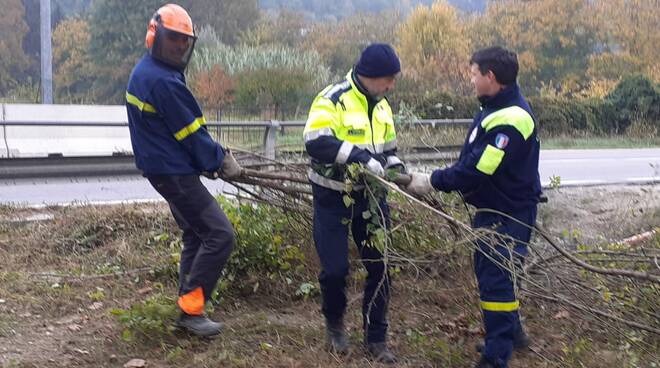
(46, 54)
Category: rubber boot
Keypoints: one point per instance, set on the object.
(198, 325)
(521, 341)
(483, 363)
(336, 339)
(381, 353)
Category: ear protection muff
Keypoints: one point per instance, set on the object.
(151, 31)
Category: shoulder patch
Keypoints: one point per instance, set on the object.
(337, 90)
(501, 140)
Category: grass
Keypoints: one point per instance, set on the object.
(599, 142)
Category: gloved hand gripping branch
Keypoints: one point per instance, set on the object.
(230, 169)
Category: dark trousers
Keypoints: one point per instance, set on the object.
(208, 236)
(496, 284)
(331, 223)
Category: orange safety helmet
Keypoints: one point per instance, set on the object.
(170, 36)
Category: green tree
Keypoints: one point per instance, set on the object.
(630, 32)
(117, 42)
(435, 48)
(74, 70)
(13, 61)
(340, 43)
(279, 92)
(286, 28)
(554, 39)
(229, 18)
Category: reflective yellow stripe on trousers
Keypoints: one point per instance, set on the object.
(500, 306)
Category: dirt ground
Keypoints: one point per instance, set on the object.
(601, 213)
(47, 320)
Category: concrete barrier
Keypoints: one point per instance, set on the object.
(38, 130)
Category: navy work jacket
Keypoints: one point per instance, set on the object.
(167, 127)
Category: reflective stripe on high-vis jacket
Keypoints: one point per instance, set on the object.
(514, 116)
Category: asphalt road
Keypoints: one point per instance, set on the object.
(606, 166)
(570, 167)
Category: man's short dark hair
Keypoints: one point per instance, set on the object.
(502, 62)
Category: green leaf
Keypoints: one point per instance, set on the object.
(348, 201)
(127, 335)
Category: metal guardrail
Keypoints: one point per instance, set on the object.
(122, 163)
(269, 140)
(58, 167)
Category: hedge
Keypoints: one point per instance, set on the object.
(636, 98)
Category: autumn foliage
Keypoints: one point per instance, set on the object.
(214, 88)
(568, 49)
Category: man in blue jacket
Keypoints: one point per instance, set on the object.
(497, 170)
(172, 148)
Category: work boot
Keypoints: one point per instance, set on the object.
(198, 325)
(483, 363)
(521, 341)
(380, 353)
(335, 334)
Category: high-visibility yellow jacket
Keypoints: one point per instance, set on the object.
(347, 126)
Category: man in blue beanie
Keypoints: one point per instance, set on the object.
(351, 122)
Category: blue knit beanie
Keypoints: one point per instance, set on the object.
(378, 60)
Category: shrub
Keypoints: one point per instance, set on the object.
(236, 60)
(150, 320)
(434, 104)
(636, 97)
(278, 88)
(266, 245)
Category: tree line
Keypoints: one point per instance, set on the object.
(253, 57)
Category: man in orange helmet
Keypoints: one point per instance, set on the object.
(172, 148)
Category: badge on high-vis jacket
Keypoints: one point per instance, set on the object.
(501, 140)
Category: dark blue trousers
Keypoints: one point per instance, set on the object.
(496, 284)
(208, 236)
(331, 224)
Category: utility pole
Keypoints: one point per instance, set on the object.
(46, 54)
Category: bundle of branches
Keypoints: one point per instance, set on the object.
(614, 288)
(609, 286)
(284, 185)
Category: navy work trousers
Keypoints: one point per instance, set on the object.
(331, 224)
(497, 289)
(208, 236)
